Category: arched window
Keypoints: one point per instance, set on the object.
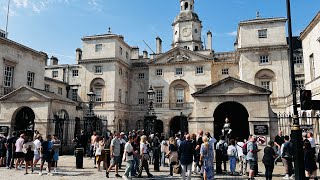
(98, 85)
(264, 78)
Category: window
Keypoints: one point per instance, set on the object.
(47, 87)
(98, 47)
(312, 67)
(60, 90)
(8, 76)
(159, 72)
(98, 92)
(179, 71)
(196, 48)
(159, 98)
(120, 50)
(225, 71)
(265, 84)
(75, 73)
(127, 55)
(179, 97)
(74, 94)
(98, 69)
(199, 70)
(297, 59)
(141, 98)
(196, 31)
(263, 33)
(30, 79)
(55, 74)
(300, 84)
(141, 75)
(126, 97)
(120, 95)
(120, 71)
(264, 59)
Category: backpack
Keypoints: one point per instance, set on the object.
(245, 149)
(223, 148)
(231, 151)
(287, 150)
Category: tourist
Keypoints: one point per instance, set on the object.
(268, 160)
(206, 156)
(92, 143)
(115, 155)
(37, 144)
(128, 157)
(194, 143)
(312, 141)
(172, 154)
(287, 155)
(239, 145)
(46, 154)
(232, 154)
(19, 154)
(28, 150)
(144, 158)
(186, 151)
(278, 141)
(252, 156)
(309, 162)
(156, 152)
(197, 148)
(122, 144)
(10, 145)
(136, 148)
(221, 155)
(3, 150)
(163, 149)
(107, 143)
(99, 151)
(56, 144)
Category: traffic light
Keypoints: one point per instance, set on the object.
(305, 99)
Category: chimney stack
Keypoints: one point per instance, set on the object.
(159, 45)
(135, 52)
(53, 60)
(145, 54)
(78, 54)
(209, 42)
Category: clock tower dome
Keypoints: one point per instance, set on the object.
(187, 27)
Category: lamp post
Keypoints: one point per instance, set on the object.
(296, 133)
(90, 115)
(150, 117)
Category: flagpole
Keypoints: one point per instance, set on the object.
(7, 18)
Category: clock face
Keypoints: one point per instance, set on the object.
(186, 32)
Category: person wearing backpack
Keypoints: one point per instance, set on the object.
(221, 154)
(232, 154)
(287, 156)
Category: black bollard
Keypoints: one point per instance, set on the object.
(79, 158)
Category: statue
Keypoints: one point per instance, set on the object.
(226, 130)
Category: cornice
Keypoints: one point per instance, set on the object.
(183, 62)
(310, 27)
(262, 48)
(103, 60)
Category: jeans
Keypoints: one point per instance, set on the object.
(135, 166)
(288, 165)
(91, 150)
(129, 168)
(186, 167)
(269, 170)
(163, 159)
(233, 163)
(9, 157)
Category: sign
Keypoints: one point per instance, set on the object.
(4, 130)
(261, 140)
(261, 129)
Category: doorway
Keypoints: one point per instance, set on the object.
(177, 124)
(24, 121)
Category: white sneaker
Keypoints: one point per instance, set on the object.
(55, 170)
(125, 177)
(292, 176)
(40, 173)
(50, 174)
(286, 176)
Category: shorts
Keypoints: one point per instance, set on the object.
(46, 159)
(56, 156)
(19, 155)
(253, 165)
(115, 160)
(3, 153)
(36, 156)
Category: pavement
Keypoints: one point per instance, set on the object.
(67, 171)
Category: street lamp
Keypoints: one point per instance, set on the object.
(90, 115)
(150, 117)
(296, 133)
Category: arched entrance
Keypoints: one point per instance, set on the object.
(177, 124)
(24, 121)
(238, 119)
(158, 127)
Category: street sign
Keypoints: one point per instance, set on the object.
(261, 140)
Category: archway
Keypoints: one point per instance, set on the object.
(177, 123)
(158, 126)
(238, 119)
(24, 121)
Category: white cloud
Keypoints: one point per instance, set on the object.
(233, 33)
(35, 8)
(95, 5)
(21, 3)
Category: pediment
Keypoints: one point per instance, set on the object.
(24, 94)
(179, 55)
(232, 87)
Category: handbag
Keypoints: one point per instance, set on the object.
(98, 152)
(146, 157)
(173, 156)
(177, 168)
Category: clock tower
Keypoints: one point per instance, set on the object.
(187, 28)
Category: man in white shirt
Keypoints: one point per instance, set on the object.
(239, 145)
(128, 157)
(37, 144)
(19, 153)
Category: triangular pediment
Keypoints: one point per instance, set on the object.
(179, 55)
(232, 87)
(24, 94)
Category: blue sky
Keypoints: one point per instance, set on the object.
(57, 26)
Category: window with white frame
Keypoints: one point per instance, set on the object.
(298, 59)
(98, 69)
(312, 67)
(225, 71)
(55, 74)
(300, 84)
(159, 97)
(264, 59)
(98, 47)
(158, 72)
(263, 33)
(120, 96)
(60, 90)
(30, 79)
(179, 97)
(120, 71)
(75, 73)
(199, 70)
(8, 76)
(265, 84)
(179, 71)
(47, 87)
(74, 94)
(141, 75)
(98, 92)
(140, 97)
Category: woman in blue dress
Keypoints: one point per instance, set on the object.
(206, 157)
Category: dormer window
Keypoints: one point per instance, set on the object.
(186, 5)
(263, 33)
